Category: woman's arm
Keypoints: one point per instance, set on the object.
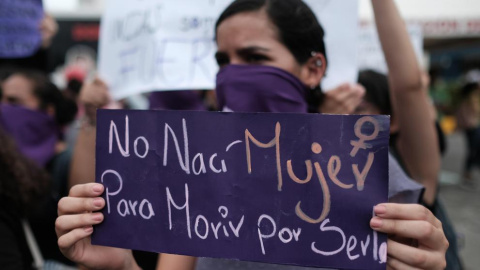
(175, 262)
(343, 99)
(92, 96)
(82, 169)
(417, 142)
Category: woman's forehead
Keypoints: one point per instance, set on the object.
(17, 80)
(245, 30)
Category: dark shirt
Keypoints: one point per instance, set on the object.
(14, 251)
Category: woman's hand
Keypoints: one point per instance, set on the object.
(416, 237)
(94, 95)
(343, 99)
(74, 227)
(48, 30)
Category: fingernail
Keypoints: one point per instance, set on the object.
(97, 188)
(380, 209)
(98, 202)
(97, 216)
(376, 222)
(88, 229)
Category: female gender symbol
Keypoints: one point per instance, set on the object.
(364, 137)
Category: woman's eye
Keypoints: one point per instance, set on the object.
(12, 101)
(255, 58)
(222, 61)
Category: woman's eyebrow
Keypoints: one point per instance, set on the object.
(252, 49)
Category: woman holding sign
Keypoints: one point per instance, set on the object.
(272, 58)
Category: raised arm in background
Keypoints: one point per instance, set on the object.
(92, 96)
(417, 142)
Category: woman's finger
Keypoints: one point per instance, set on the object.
(99, 82)
(406, 212)
(66, 223)
(394, 264)
(67, 241)
(423, 231)
(86, 190)
(74, 205)
(341, 92)
(414, 257)
(354, 98)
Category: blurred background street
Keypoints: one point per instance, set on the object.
(462, 204)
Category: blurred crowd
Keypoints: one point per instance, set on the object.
(47, 133)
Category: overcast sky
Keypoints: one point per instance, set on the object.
(417, 9)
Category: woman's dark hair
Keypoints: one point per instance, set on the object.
(377, 90)
(22, 182)
(298, 29)
(468, 89)
(74, 86)
(49, 95)
(5, 72)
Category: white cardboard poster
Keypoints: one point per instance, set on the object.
(149, 45)
(370, 53)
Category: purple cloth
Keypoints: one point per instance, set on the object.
(19, 28)
(255, 88)
(35, 133)
(177, 100)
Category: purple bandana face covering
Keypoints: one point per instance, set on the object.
(34, 132)
(256, 88)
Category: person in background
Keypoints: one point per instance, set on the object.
(22, 185)
(468, 120)
(40, 104)
(33, 113)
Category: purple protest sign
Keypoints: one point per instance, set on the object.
(293, 189)
(20, 27)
